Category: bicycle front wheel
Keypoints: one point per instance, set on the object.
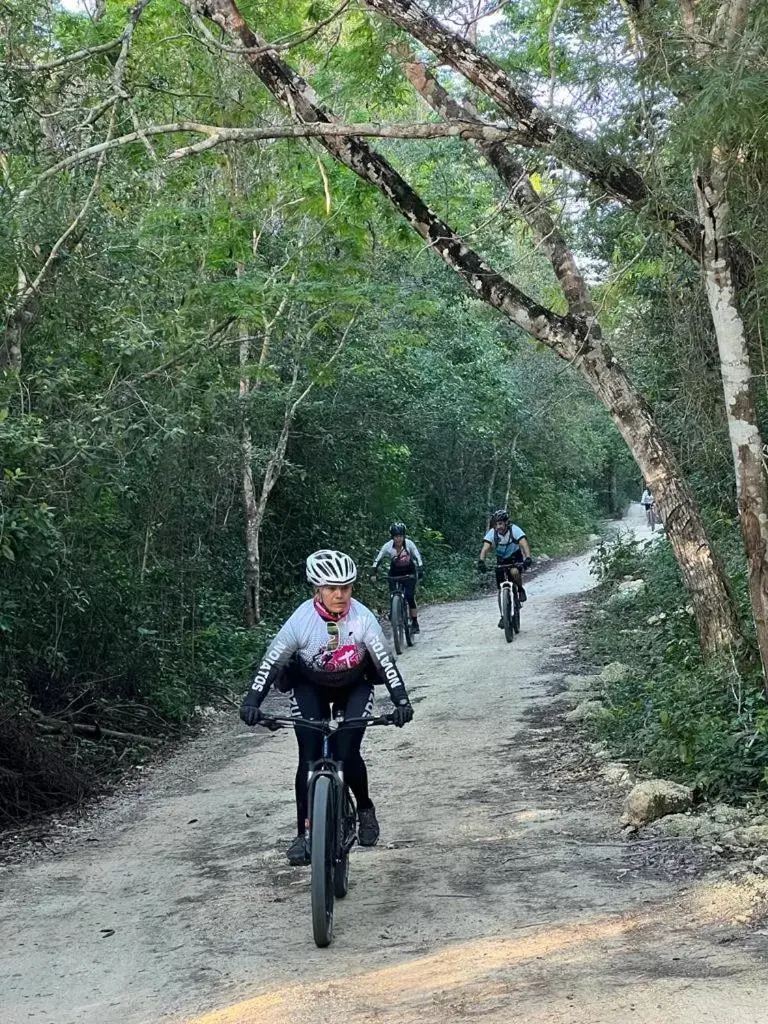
(506, 614)
(396, 621)
(347, 826)
(516, 612)
(322, 852)
(406, 616)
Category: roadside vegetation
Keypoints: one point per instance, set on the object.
(229, 339)
(673, 715)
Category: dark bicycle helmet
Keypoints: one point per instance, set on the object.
(397, 530)
(500, 516)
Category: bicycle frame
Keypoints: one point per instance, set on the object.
(506, 569)
(326, 765)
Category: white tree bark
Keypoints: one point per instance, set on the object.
(710, 184)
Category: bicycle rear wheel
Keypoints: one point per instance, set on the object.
(396, 621)
(322, 850)
(506, 614)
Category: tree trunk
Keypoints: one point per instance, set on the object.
(720, 44)
(252, 574)
(572, 337)
(746, 442)
(252, 523)
(10, 350)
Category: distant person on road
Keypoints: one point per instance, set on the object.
(327, 657)
(511, 546)
(647, 501)
(404, 560)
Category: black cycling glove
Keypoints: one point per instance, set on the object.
(481, 566)
(250, 713)
(403, 713)
(527, 562)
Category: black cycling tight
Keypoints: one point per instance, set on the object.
(312, 701)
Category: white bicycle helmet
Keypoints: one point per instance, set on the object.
(328, 568)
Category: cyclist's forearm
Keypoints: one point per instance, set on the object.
(525, 547)
(386, 670)
(268, 670)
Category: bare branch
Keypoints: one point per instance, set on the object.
(276, 47)
(70, 58)
(329, 362)
(123, 41)
(118, 75)
(216, 135)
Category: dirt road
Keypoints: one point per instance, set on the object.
(502, 889)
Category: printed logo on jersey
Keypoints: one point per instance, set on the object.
(271, 659)
(385, 661)
(336, 658)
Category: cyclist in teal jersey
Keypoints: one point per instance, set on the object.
(511, 546)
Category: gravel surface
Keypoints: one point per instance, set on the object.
(503, 887)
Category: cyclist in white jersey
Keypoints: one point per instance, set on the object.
(404, 560)
(511, 546)
(648, 502)
(327, 657)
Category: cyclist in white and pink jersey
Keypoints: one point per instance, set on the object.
(404, 560)
(327, 657)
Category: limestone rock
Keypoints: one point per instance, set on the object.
(615, 672)
(724, 814)
(685, 825)
(760, 864)
(753, 835)
(631, 588)
(585, 710)
(653, 799)
(581, 683)
(617, 773)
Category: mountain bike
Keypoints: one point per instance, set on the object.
(509, 601)
(332, 821)
(399, 613)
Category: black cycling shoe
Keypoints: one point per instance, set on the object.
(523, 595)
(298, 852)
(415, 626)
(368, 828)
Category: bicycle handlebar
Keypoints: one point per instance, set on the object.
(328, 725)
